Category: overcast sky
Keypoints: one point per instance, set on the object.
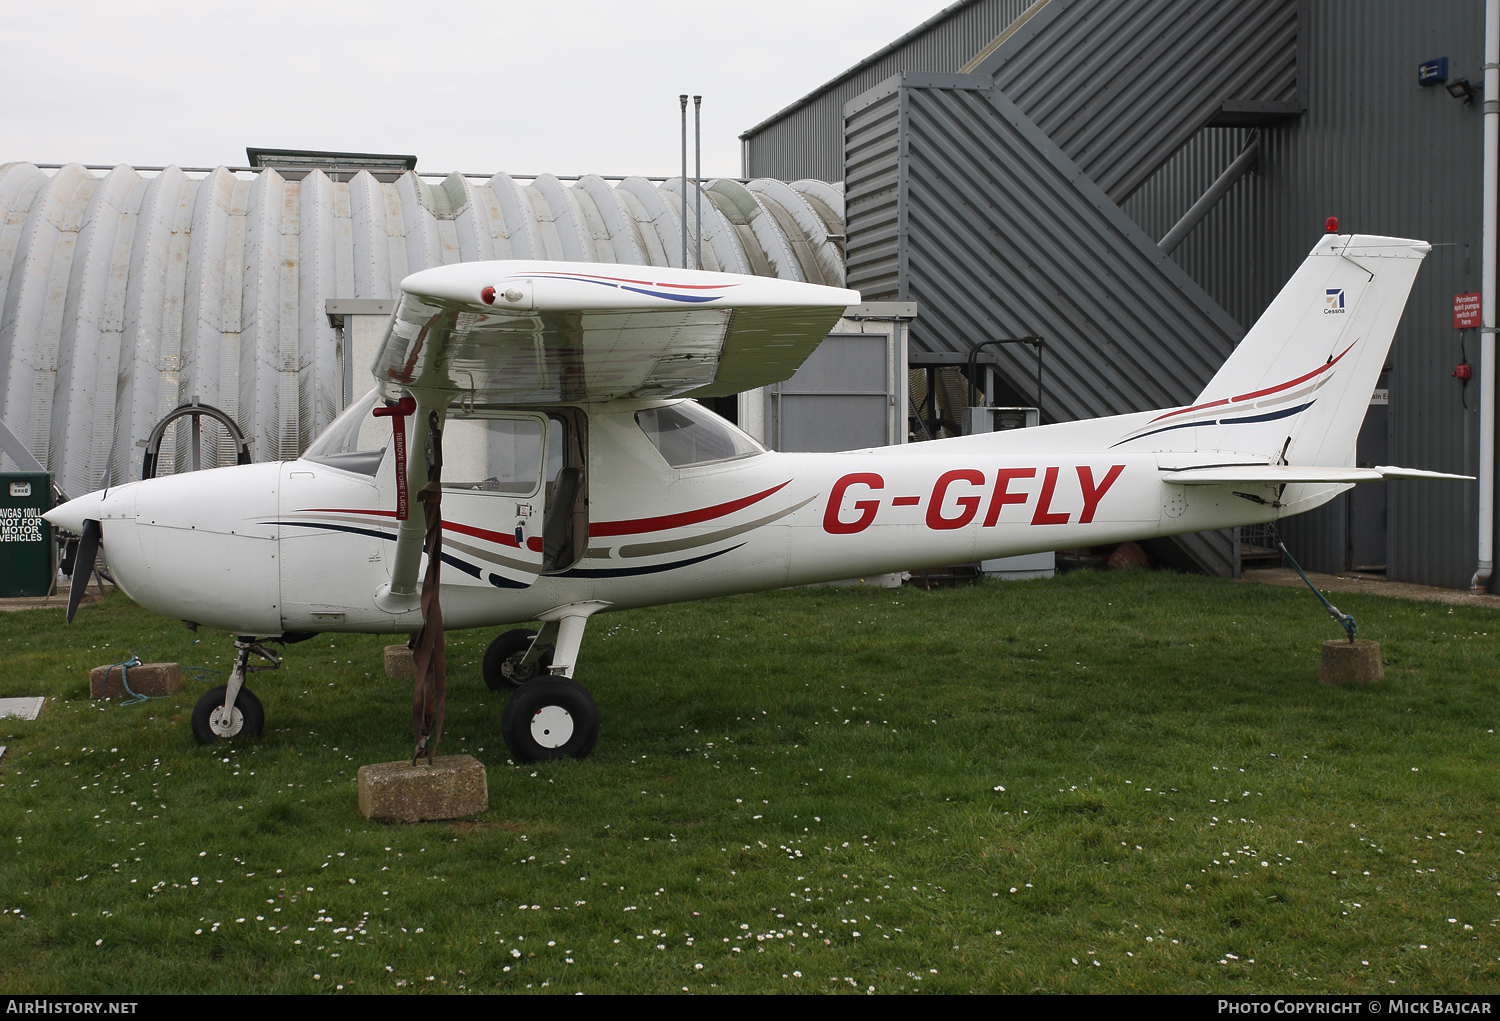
(566, 87)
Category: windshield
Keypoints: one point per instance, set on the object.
(688, 434)
(355, 441)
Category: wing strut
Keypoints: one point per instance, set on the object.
(429, 692)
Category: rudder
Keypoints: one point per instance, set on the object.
(1298, 385)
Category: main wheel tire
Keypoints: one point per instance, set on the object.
(550, 718)
(502, 661)
(247, 719)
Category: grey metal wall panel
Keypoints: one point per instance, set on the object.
(997, 233)
(845, 364)
(826, 422)
(1122, 86)
(803, 140)
(872, 171)
(1003, 236)
(1385, 156)
(1213, 551)
(850, 393)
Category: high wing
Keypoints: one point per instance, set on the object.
(520, 332)
(1280, 474)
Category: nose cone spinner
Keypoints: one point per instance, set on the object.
(71, 515)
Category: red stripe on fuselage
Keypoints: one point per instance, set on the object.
(666, 521)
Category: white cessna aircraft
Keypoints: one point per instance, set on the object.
(576, 479)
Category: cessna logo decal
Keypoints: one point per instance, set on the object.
(957, 496)
(1333, 298)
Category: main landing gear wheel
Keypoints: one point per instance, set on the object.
(552, 717)
(502, 668)
(211, 725)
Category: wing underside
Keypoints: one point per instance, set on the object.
(534, 336)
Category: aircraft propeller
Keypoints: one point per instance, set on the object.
(83, 564)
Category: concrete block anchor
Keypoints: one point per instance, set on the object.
(399, 662)
(453, 787)
(1356, 662)
(150, 679)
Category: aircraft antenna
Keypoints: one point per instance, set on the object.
(698, 177)
(682, 99)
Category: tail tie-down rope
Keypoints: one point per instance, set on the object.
(1346, 621)
(430, 690)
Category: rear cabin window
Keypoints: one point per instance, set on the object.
(688, 434)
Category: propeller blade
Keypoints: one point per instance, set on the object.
(83, 565)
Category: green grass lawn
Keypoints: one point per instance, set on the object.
(1103, 782)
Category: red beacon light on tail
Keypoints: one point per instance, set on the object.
(1332, 226)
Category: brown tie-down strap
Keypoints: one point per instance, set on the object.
(430, 690)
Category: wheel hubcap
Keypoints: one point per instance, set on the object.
(551, 726)
(226, 725)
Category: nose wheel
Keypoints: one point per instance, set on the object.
(231, 711)
(212, 724)
(551, 717)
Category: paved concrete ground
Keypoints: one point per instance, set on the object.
(1373, 585)
(57, 601)
(26, 708)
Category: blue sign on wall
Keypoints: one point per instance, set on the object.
(1433, 72)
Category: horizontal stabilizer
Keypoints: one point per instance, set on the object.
(1281, 474)
(1390, 471)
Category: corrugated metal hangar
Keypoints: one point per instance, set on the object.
(1130, 180)
(1050, 168)
(125, 294)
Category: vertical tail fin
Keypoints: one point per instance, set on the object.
(1298, 385)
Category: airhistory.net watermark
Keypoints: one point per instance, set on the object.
(44, 1005)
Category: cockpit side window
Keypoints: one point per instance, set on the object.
(500, 455)
(687, 434)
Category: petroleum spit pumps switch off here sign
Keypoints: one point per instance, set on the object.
(1465, 311)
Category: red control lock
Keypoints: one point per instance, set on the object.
(397, 414)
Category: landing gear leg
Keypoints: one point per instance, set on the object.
(553, 716)
(232, 711)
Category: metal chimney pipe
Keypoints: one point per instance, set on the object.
(682, 99)
(698, 174)
(1481, 580)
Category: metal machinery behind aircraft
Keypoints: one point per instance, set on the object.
(545, 402)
